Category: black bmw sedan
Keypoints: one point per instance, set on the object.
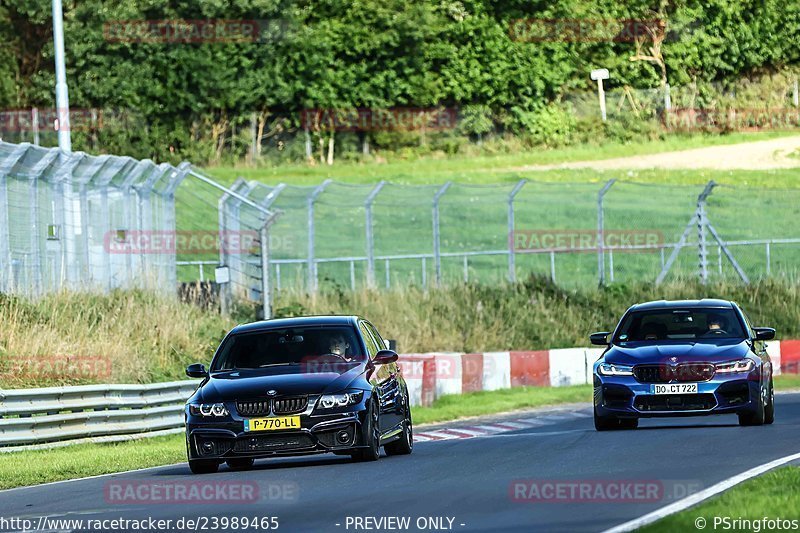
(298, 386)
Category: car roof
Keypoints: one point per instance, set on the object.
(673, 304)
(299, 321)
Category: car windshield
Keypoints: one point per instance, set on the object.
(291, 346)
(680, 324)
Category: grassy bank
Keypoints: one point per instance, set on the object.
(130, 337)
(765, 496)
(122, 337)
(534, 314)
(482, 168)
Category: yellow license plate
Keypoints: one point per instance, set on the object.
(272, 424)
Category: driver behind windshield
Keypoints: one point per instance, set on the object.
(717, 325)
(340, 347)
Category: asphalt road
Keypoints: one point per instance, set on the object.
(470, 481)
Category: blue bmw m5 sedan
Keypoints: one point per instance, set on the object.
(683, 358)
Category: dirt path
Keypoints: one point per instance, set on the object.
(759, 155)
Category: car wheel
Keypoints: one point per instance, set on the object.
(769, 411)
(203, 466)
(754, 418)
(372, 438)
(240, 463)
(605, 423)
(404, 445)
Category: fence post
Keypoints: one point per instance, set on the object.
(228, 221)
(35, 125)
(312, 265)
(266, 203)
(684, 236)
(601, 227)
(169, 220)
(437, 258)
(370, 234)
(512, 267)
(6, 166)
(769, 259)
(266, 288)
(702, 224)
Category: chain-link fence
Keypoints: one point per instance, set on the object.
(82, 222)
(579, 234)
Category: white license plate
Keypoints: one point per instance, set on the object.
(675, 388)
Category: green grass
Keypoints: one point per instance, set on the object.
(787, 382)
(452, 407)
(750, 205)
(531, 315)
(473, 169)
(19, 469)
(81, 460)
(41, 466)
(475, 218)
(772, 495)
(140, 338)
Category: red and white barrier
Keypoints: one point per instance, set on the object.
(432, 375)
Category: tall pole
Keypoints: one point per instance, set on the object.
(62, 95)
(601, 228)
(371, 234)
(512, 266)
(437, 257)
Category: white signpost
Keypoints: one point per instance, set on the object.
(601, 74)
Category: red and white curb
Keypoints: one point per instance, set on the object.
(432, 375)
(494, 428)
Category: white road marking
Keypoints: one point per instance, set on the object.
(701, 496)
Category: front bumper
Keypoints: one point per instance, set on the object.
(223, 439)
(624, 396)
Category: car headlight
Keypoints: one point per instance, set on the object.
(331, 401)
(742, 365)
(611, 369)
(208, 409)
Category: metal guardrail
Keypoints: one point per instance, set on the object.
(39, 416)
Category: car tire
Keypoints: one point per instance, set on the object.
(371, 437)
(769, 410)
(242, 463)
(405, 444)
(754, 418)
(203, 466)
(605, 423)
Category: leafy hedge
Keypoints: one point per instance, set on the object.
(194, 100)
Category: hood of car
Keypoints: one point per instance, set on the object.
(291, 380)
(676, 352)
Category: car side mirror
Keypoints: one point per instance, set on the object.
(196, 371)
(384, 357)
(764, 334)
(600, 338)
